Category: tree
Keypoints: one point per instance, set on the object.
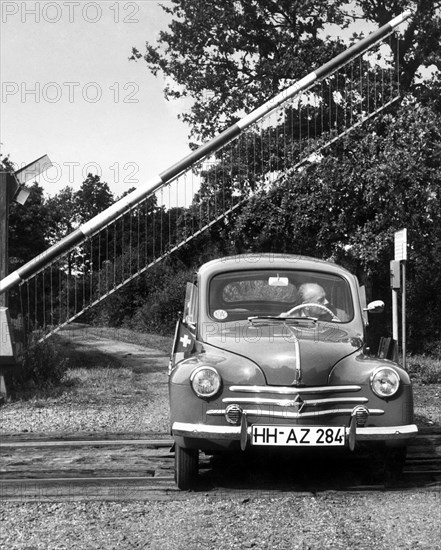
(6, 164)
(64, 215)
(420, 45)
(70, 208)
(27, 224)
(230, 57)
(28, 227)
(93, 197)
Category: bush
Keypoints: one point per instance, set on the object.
(42, 368)
(433, 347)
(424, 369)
(161, 307)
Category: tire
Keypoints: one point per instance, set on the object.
(186, 467)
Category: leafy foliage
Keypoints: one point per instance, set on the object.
(424, 369)
(93, 197)
(151, 303)
(162, 306)
(28, 227)
(64, 217)
(42, 367)
(233, 56)
(45, 220)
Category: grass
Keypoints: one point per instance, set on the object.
(94, 376)
(91, 375)
(84, 358)
(102, 385)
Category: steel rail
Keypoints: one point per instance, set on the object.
(98, 222)
(81, 479)
(166, 484)
(155, 443)
(53, 480)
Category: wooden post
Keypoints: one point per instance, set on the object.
(395, 283)
(400, 247)
(4, 257)
(403, 313)
(8, 186)
(4, 228)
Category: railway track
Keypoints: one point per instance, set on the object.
(142, 469)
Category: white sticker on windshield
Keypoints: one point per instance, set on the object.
(220, 314)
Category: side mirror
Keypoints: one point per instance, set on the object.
(377, 306)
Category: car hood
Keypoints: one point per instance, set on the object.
(283, 351)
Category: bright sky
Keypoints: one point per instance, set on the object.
(69, 91)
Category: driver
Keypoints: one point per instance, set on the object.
(312, 293)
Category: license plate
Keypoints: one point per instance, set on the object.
(297, 436)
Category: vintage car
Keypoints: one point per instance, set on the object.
(271, 351)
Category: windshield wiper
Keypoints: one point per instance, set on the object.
(283, 319)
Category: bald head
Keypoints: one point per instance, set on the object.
(312, 293)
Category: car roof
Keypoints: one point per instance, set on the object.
(269, 261)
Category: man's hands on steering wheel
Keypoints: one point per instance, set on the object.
(314, 305)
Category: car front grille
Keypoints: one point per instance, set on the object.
(286, 402)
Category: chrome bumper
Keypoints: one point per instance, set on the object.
(204, 431)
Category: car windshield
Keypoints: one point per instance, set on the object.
(238, 295)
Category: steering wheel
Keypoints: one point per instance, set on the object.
(312, 304)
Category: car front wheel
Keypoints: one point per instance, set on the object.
(186, 467)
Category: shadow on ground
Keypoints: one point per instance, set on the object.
(275, 472)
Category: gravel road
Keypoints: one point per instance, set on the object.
(328, 521)
(405, 519)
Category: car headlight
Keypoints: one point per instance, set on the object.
(385, 382)
(205, 381)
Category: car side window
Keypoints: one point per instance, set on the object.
(191, 305)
